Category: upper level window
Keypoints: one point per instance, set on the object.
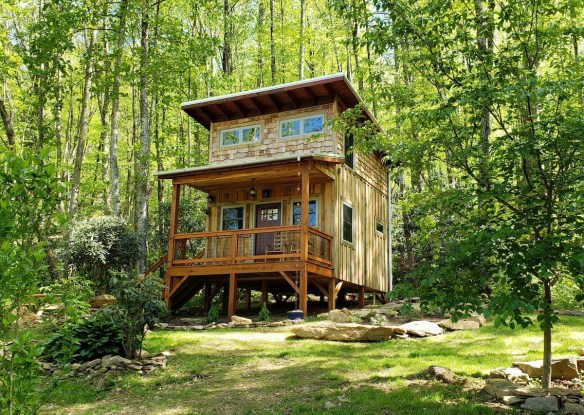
(232, 218)
(347, 223)
(349, 159)
(297, 213)
(242, 135)
(300, 126)
(379, 228)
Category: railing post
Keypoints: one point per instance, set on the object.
(173, 222)
(305, 197)
(234, 238)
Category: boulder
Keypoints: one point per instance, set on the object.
(565, 368)
(500, 387)
(339, 316)
(512, 374)
(581, 351)
(392, 308)
(322, 315)
(363, 313)
(580, 363)
(422, 328)
(573, 408)
(464, 324)
(349, 332)
(541, 404)
(240, 321)
(102, 301)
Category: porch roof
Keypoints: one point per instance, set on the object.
(278, 98)
(265, 173)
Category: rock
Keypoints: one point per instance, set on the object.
(479, 318)
(565, 368)
(135, 367)
(573, 408)
(363, 313)
(463, 324)
(349, 332)
(339, 316)
(445, 375)
(398, 330)
(580, 363)
(541, 404)
(581, 351)
(276, 324)
(392, 308)
(422, 328)
(102, 300)
(330, 405)
(500, 387)
(512, 374)
(513, 400)
(322, 315)
(208, 326)
(26, 317)
(160, 325)
(240, 320)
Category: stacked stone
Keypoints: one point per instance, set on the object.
(239, 323)
(112, 364)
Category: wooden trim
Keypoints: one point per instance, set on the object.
(290, 281)
(255, 267)
(239, 232)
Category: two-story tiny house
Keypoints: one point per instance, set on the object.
(291, 209)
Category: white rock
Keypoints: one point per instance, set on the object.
(343, 332)
(418, 327)
(240, 320)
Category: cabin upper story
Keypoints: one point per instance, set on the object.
(283, 121)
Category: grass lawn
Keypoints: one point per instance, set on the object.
(266, 371)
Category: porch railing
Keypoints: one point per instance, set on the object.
(281, 243)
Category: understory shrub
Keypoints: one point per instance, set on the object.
(100, 245)
(264, 313)
(85, 340)
(213, 314)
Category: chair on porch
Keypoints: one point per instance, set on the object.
(277, 245)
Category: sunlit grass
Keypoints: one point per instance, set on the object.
(270, 372)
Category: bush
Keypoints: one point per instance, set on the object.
(138, 306)
(100, 245)
(264, 313)
(85, 340)
(213, 314)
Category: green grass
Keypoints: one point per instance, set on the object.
(270, 372)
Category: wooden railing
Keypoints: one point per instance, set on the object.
(280, 243)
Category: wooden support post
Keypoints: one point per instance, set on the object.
(265, 292)
(248, 299)
(332, 294)
(231, 302)
(173, 222)
(207, 301)
(304, 199)
(361, 296)
(303, 294)
(225, 302)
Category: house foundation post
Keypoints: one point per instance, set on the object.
(248, 299)
(361, 296)
(303, 296)
(265, 292)
(232, 300)
(332, 295)
(207, 302)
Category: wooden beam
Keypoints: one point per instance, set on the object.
(361, 296)
(173, 222)
(240, 108)
(320, 287)
(177, 286)
(231, 304)
(274, 103)
(255, 105)
(332, 294)
(289, 281)
(303, 294)
(338, 287)
(264, 291)
(304, 200)
(292, 99)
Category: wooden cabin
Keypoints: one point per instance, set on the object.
(291, 210)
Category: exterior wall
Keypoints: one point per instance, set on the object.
(321, 192)
(270, 145)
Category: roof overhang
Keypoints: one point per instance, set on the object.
(274, 99)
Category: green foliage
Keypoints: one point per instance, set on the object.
(138, 306)
(100, 245)
(213, 314)
(29, 194)
(264, 314)
(85, 340)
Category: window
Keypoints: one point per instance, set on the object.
(349, 160)
(347, 223)
(243, 135)
(300, 126)
(232, 218)
(379, 227)
(297, 213)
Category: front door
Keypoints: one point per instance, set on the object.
(267, 215)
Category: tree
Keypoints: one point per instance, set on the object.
(505, 117)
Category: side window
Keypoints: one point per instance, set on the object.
(349, 156)
(347, 223)
(243, 135)
(312, 213)
(232, 218)
(301, 126)
(379, 228)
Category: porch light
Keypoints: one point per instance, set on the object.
(210, 199)
(252, 191)
(266, 193)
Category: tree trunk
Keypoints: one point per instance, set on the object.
(115, 117)
(301, 52)
(547, 340)
(272, 44)
(7, 121)
(227, 39)
(260, 38)
(82, 127)
(143, 156)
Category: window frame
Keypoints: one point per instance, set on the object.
(315, 200)
(240, 129)
(301, 120)
(377, 231)
(232, 207)
(349, 205)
